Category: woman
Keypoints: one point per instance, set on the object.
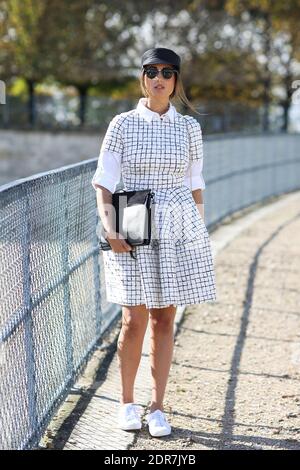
(154, 147)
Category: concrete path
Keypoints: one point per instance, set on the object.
(234, 381)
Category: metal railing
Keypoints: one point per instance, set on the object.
(241, 170)
(53, 310)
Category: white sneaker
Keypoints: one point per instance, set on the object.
(158, 425)
(129, 417)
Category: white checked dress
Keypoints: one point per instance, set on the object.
(156, 152)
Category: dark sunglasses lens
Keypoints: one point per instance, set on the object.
(151, 73)
(167, 73)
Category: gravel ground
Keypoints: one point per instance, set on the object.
(234, 381)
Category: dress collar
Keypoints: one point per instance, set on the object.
(147, 114)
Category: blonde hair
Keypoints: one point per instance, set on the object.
(178, 92)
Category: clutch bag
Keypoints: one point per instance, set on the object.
(132, 212)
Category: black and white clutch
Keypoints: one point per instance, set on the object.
(132, 217)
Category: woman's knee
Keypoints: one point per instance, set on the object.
(163, 318)
(135, 318)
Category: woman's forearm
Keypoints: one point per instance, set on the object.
(106, 209)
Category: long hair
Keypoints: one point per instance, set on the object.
(178, 92)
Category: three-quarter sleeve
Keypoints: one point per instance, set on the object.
(194, 175)
(108, 170)
(195, 166)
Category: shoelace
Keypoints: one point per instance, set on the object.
(161, 419)
(132, 412)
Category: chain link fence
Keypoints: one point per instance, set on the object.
(53, 308)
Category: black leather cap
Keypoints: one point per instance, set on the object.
(161, 55)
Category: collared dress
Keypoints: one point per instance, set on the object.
(164, 154)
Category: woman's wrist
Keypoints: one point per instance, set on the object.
(110, 233)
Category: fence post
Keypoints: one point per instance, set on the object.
(97, 284)
(66, 286)
(28, 323)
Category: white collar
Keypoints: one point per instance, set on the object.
(147, 114)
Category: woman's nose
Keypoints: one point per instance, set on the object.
(159, 73)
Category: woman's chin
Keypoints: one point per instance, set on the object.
(160, 92)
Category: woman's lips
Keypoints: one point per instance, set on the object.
(159, 87)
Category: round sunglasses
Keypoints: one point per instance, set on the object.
(166, 72)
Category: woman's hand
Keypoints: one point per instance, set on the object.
(107, 216)
(117, 242)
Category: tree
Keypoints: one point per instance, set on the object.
(25, 23)
(276, 23)
(92, 45)
(78, 42)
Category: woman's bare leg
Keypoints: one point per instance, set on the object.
(130, 343)
(161, 351)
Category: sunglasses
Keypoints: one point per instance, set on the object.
(166, 72)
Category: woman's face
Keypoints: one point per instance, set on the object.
(160, 87)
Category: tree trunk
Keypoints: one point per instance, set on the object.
(82, 104)
(266, 105)
(286, 103)
(285, 123)
(31, 102)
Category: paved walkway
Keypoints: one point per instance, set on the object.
(234, 381)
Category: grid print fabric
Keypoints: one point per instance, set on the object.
(108, 171)
(177, 267)
(113, 138)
